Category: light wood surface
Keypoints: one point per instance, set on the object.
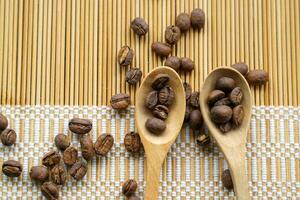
(233, 143)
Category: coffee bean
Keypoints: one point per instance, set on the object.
(188, 110)
(257, 77)
(160, 81)
(139, 26)
(172, 34)
(236, 96)
(8, 137)
(133, 197)
(12, 168)
(226, 179)
(125, 56)
(129, 187)
(58, 175)
(132, 142)
(151, 99)
(50, 190)
(133, 76)
(161, 49)
(221, 114)
(155, 125)
(62, 141)
(78, 170)
(120, 101)
(183, 22)
(214, 96)
(225, 84)
(3, 122)
(70, 155)
(173, 62)
(194, 100)
(161, 112)
(224, 102)
(87, 147)
(104, 144)
(166, 96)
(203, 140)
(197, 18)
(39, 173)
(196, 119)
(225, 127)
(80, 126)
(241, 67)
(187, 64)
(51, 158)
(237, 115)
(187, 90)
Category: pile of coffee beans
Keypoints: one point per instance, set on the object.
(129, 188)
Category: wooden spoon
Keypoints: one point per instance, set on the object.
(157, 146)
(232, 144)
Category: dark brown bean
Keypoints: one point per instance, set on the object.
(129, 187)
(203, 140)
(187, 90)
(257, 77)
(87, 147)
(161, 112)
(3, 122)
(161, 49)
(62, 141)
(139, 26)
(151, 100)
(50, 190)
(80, 126)
(39, 173)
(133, 197)
(214, 96)
(236, 96)
(125, 56)
(225, 84)
(166, 96)
(187, 114)
(241, 67)
(223, 102)
(194, 100)
(155, 125)
(197, 18)
(226, 179)
(132, 142)
(8, 137)
(183, 22)
(221, 114)
(237, 115)
(160, 81)
(120, 101)
(173, 62)
(225, 127)
(51, 158)
(58, 174)
(133, 76)
(187, 64)
(104, 144)
(12, 168)
(196, 119)
(172, 34)
(78, 170)
(70, 155)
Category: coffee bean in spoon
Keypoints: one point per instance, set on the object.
(166, 96)
(151, 99)
(225, 127)
(236, 96)
(226, 84)
(161, 112)
(237, 115)
(160, 81)
(224, 102)
(214, 96)
(155, 125)
(221, 114)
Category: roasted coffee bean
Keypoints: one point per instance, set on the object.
(3, 122)
(58, 174)
(133, 76)
(120, 101)
(237, 115)
(80, 126)
(39, 173)
(133, 197)
(50, 190)
(8, 137)
(78, 170)
(173, 62)
(183, 22)
(221, 114)
(161, 112)
(257, 77)
(223, 102)
(62, 141)
(241, 67)
(225, 84)
(129, 187)
(139, 26)
(188, 110)
(166, 96)
(214, 96)
(194, 100)
(236, 96)
(87, 147)
(151, 99)
(51, 158)
(203, 140)
(125, 56)
(172, 34)
(12, 168)
(160, 81)
(132, 142)
(104, 144)
(187, 90)
(70, 155)
(226, 179)
(155, 125)
(197, 18)
(196, 119)
(187, 64)
(161, 49)
(225, 127)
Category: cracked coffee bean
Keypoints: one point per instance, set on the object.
(151, 100)
(58, 174)
(225, 84)
(172, 34)
(133, 76)
(166, 96)
(161, 112)
(120, 101)
(221, 114)
(225, 127)
(80, 126)
(50, 190)
(173, 62)
(197, 18)
(39, 173)
(125, 56)
(183, 22)
(104, 144)
(139, 26)
(161, 49)
(132, 142)
(160, 81)
(87, 147)
(155, 125)
(238, 115)
(78, 170)
(214, 96)
(70, 155)
(3, 122)
(194, 100)
(257, 77)
(51, 158)
(12, 168)
(241, 67)
(8, 137)
(62, 141)
(236, 96)
(196, 119)
(129, 187)
(187, 64)
(226, 179)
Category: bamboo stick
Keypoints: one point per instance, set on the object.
(95, 56)
(62, 55)
(68, 58)
(7, 23)
(85, 66)
(53, 54)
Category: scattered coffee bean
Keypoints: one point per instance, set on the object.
(225, 127)
(241, 67)
(133, 76)
(173, 62)
(197, 18)
(161, 49)
(257, 77)
(196, 119)
(161, 112)
(120, 101)
(236, 96)
(172, 34)
(58, 174)
(80, 126)
(8, 137)
(155, 125)
(221, 114)
(203, 140)
(70, 155)
(237, 115)
(223, 102)
(78, 170)
(62, 141)
(39, 173)
(129, 187)
(125, 56)
(188, 110)
(183, 22)
(12, 168)
(214, 96)
(3, 122)
(160, 81)
(187, 90)
(87, 147)
(133, 197)
(104, 144)
(132, 142)
(139, 26)
(194, 100)
(226, 179)
(51, 158)
(166, 96)
(50, 190)
(225, 84)
(151, 99)
(187, 64)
